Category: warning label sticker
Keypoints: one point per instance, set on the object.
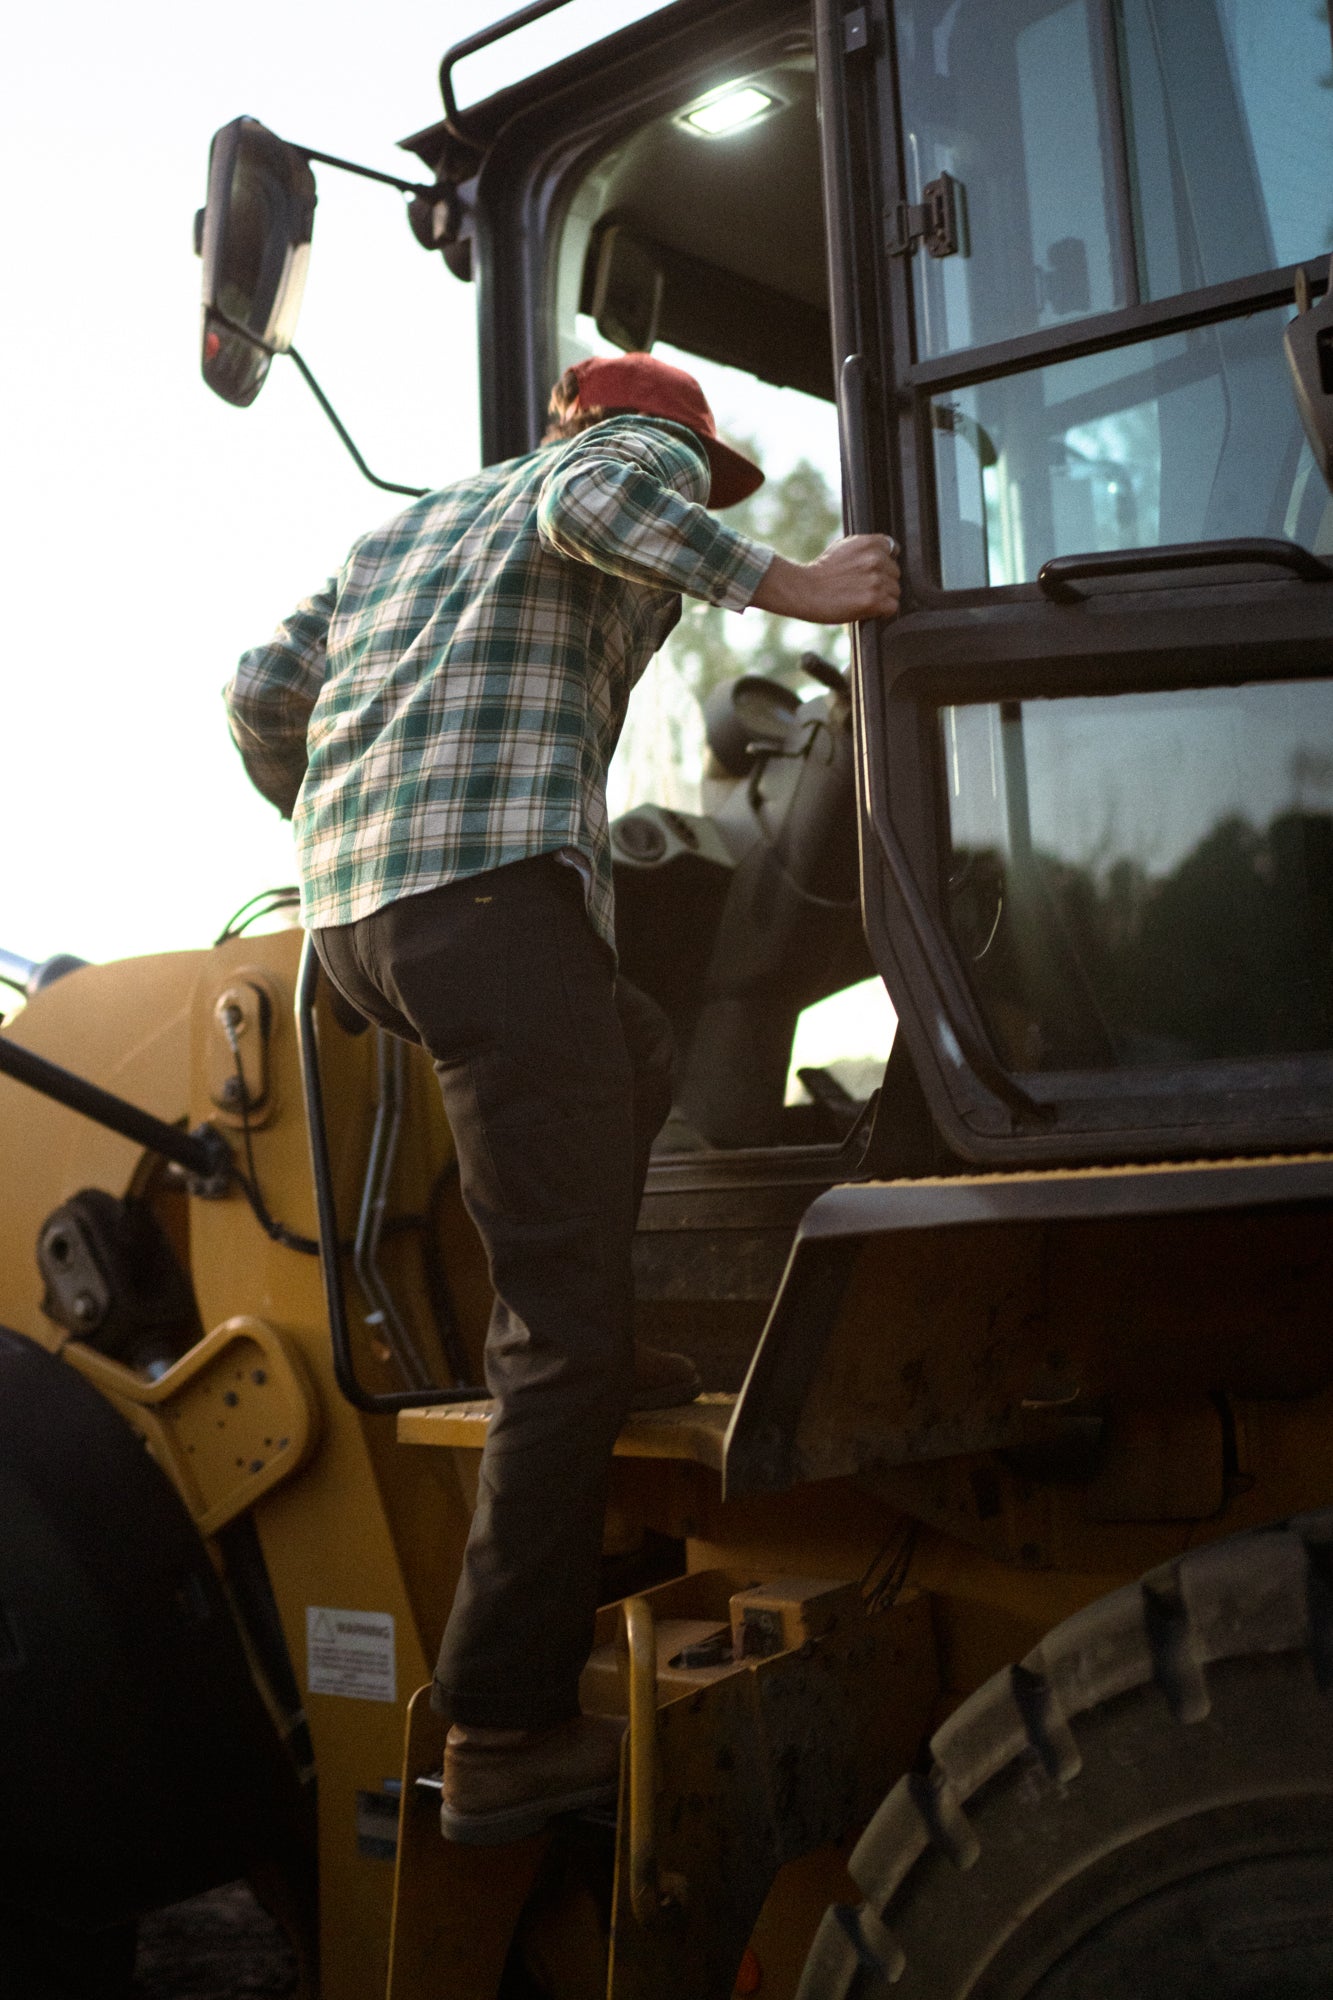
(350, 1653)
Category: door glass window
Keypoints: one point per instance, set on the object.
(1216, 115)
(1187, 438)
(1010, 98)
(1230, 122)
(1146, 878)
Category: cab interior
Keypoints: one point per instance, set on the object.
(698, 233)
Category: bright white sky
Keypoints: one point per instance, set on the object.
(151, 533)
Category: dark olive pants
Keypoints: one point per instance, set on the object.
(556, 1078)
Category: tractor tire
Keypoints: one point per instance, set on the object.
(1142, 1809)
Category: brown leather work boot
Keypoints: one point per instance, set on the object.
(505, 1784)
(661, 1379)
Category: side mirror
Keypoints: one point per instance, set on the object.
(1309, 344)
(254, 239)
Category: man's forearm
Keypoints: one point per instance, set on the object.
(857, 578)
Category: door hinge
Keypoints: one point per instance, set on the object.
(855, 31)
(936, 221)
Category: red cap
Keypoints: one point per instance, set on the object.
(656, 389)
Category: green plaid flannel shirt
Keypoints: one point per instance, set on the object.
(450, 701)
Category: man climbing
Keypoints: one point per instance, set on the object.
(438, 722)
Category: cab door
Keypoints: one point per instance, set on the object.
(1096, 753)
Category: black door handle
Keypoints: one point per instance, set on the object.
(1058, 576)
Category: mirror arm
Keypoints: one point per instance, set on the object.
(386, 485)
(369, 173)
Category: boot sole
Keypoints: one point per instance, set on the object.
(497, 1829)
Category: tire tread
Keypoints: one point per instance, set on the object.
(1264, 1592)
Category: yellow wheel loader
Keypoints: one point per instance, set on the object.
(975, 1627)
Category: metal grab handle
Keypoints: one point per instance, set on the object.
(472, 45)
(857, 506)
(330, 1253)
(651, 1893)
(1058, 576)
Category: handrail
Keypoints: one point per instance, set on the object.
(1058, 576)
(383, 1402)
(852, 423)
(472, 45)
(390, 1064)
(652, 1894)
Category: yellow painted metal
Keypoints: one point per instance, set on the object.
(457, 1426)
(977, 1337)
(1160, 1460)
(243, 1015)
(1158, 1482)
(233, 1417)
(753, 1766)
(785, 1612)
(348, 1520)
(652, 1895)
(695, 1431)
(346, 1534)
(1284, 1450)
(125, 1027)
(358, 1525)
(454, 1907)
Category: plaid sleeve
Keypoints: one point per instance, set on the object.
(628, 497)
(270, 697)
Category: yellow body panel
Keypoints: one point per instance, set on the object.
(233, 1417)
(696, 1431)
(125, 1027)
(355, 1517)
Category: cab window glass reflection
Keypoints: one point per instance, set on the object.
(1214, 116)
(1018, 118)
